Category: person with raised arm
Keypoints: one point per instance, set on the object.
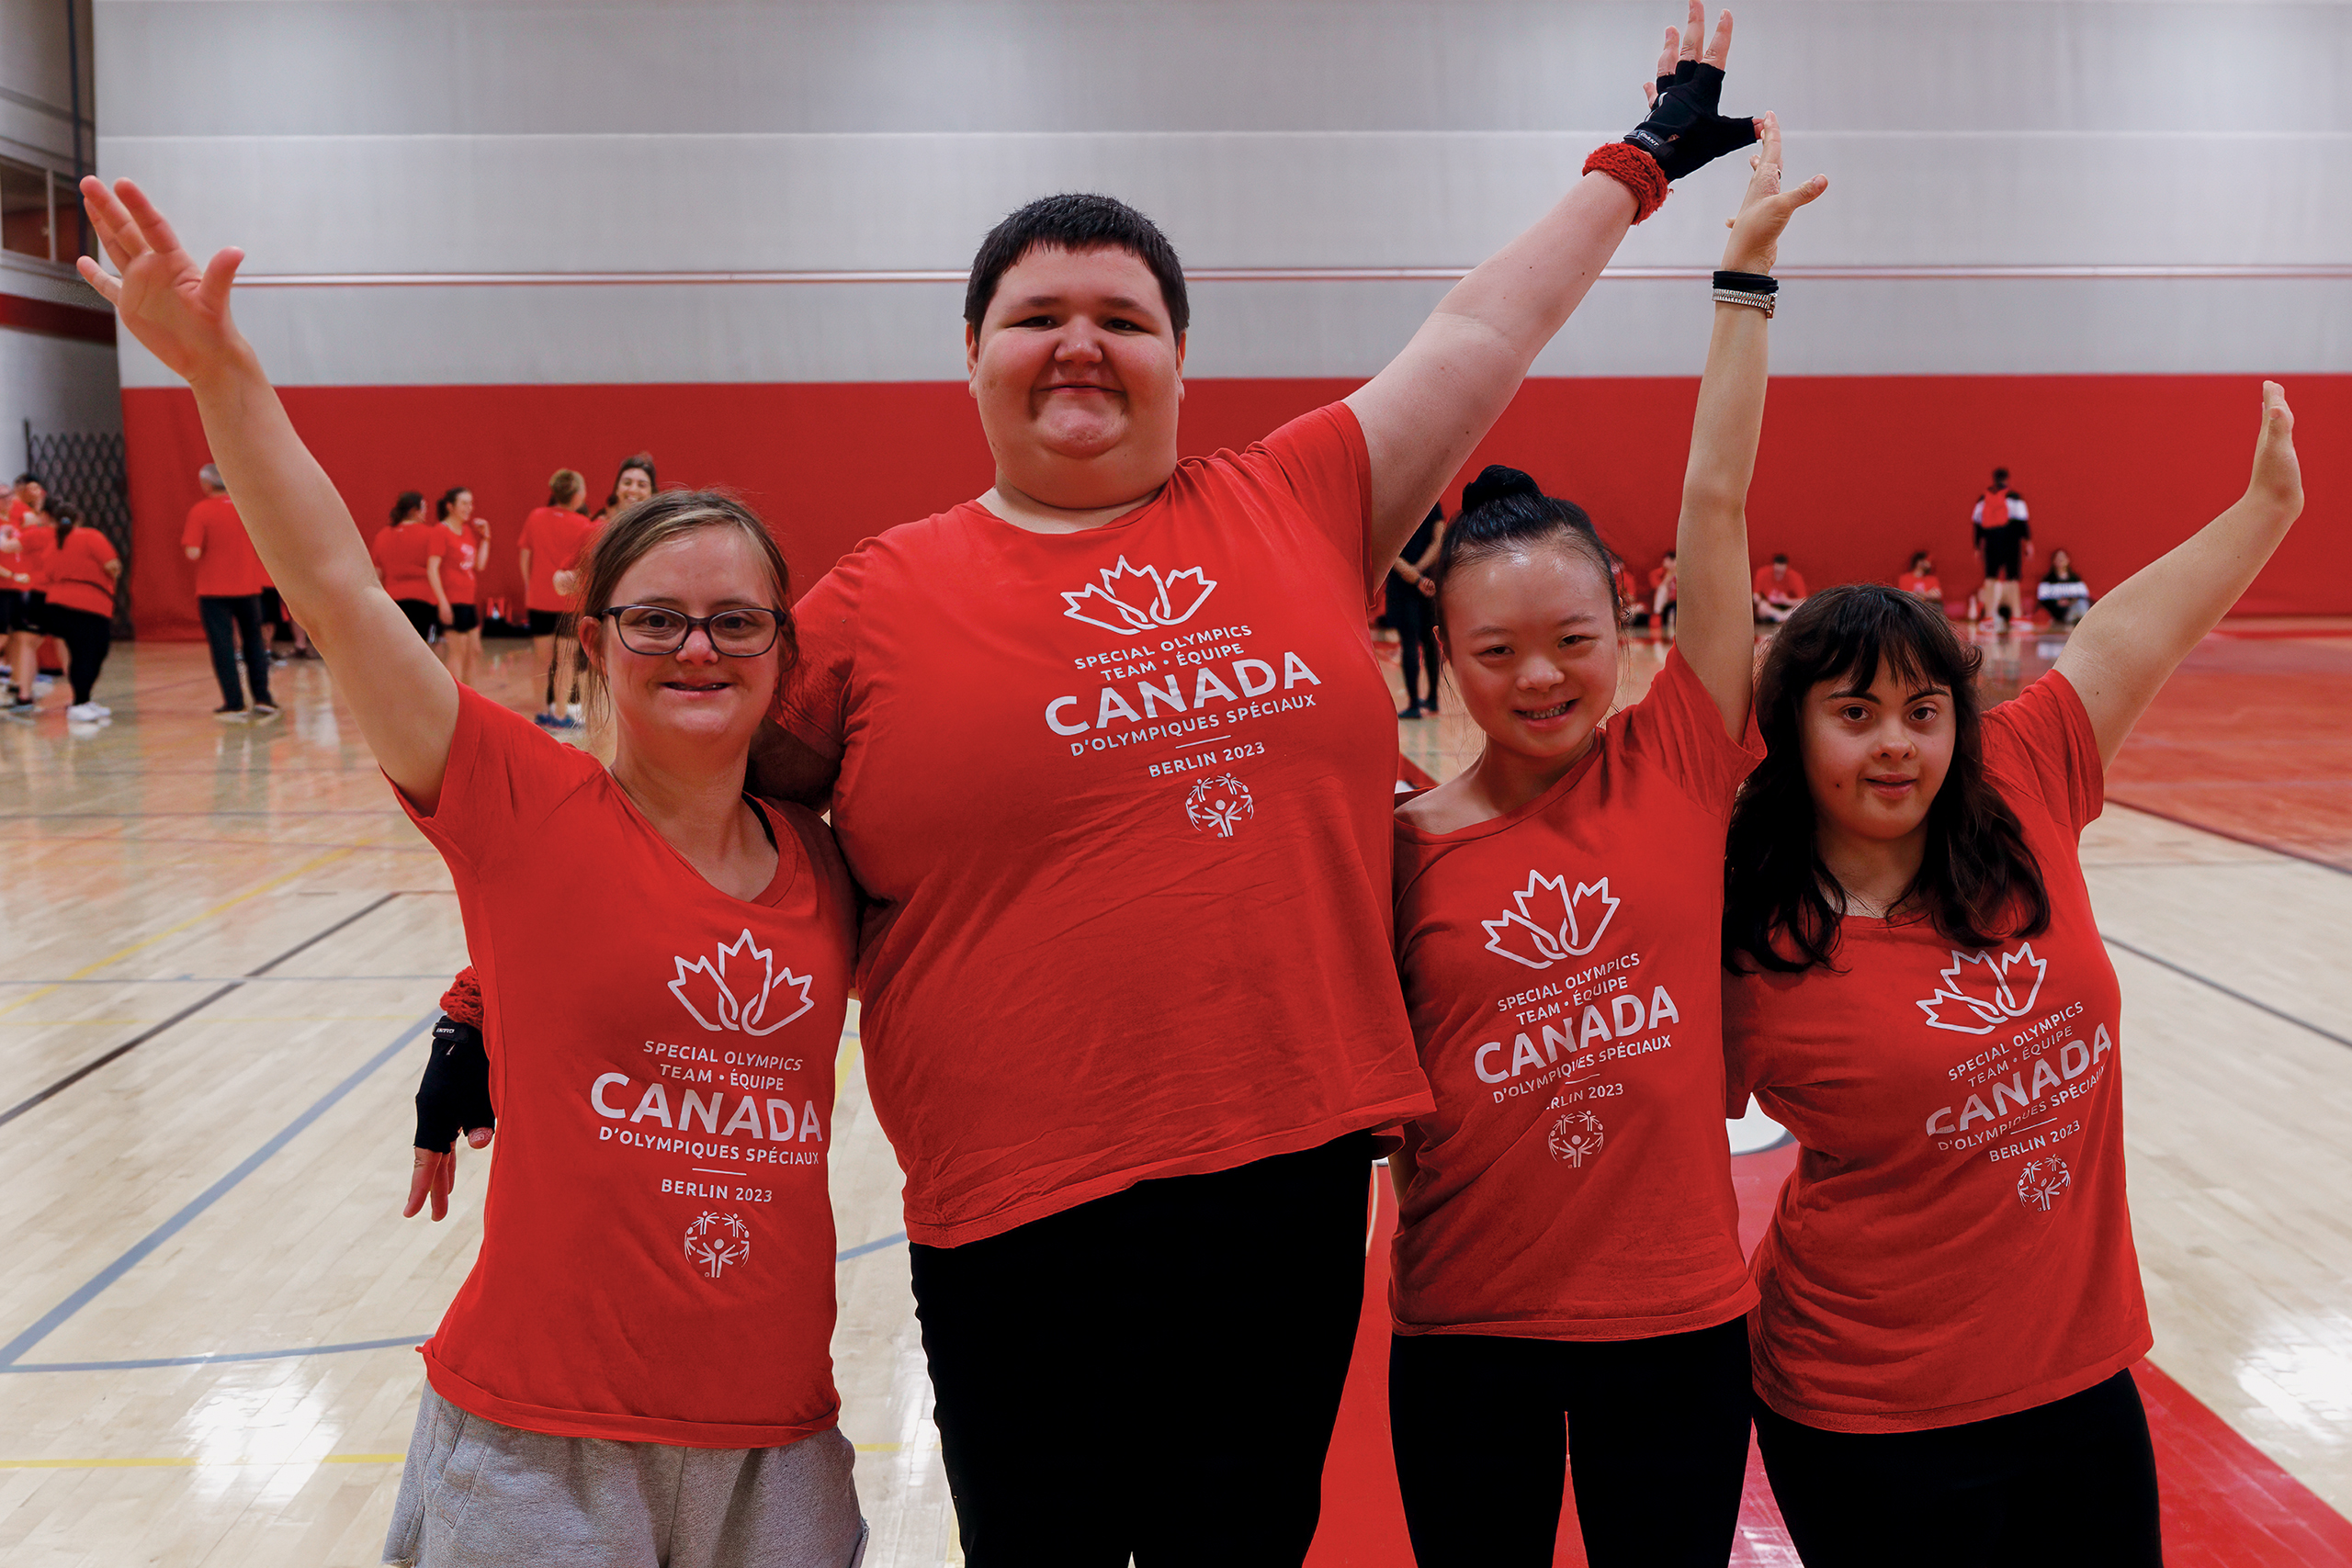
(637, 1366)
(1568, 1241)
(1919, 993)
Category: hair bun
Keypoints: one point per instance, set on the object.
(1494, 482)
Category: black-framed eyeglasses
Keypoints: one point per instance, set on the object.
(657, 628)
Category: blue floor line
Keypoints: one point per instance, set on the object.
(14, 1350)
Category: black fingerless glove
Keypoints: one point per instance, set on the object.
(1683, 131)
(455, 1093)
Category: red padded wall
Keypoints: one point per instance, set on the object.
(1855, 472)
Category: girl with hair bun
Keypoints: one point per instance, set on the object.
(636, 1367)
(1918, 992)
(1569, 1241)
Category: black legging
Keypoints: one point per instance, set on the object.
(86, 638)
(1154, 1373)
(1655, 1436)
(226, 618)
(1414, 614)
(2067, 1483)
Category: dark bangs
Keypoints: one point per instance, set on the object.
(1977, 883)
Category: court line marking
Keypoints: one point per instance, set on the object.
(86, 1068)
(50, 1321)
(403, 1342)
(2275, 848)
(2258, 1006)
(121, 953)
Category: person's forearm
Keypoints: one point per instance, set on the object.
(2155, 615)
(1516, 300)
(433, 576)
(298, 524)
(1715, 622)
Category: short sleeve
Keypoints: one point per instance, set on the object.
(1677, 724)
(2042, 739)
(813, 705)
(1321, 459)
(505, 778)
(436, 544)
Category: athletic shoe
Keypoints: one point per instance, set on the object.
(1409, 713)
(544, 721)
(85, 713)
(21, 708)
(572, 713)
(102, 710)
(265, 710)
(566, 722)
(229, 715)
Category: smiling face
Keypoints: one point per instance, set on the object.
(461, 509)
(1077, 373)
(633, 486)
(1530, 636)
(1875, 756)
(695, 694)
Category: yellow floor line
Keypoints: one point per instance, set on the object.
(121, 953)
(848, 1060)
(212, 1018)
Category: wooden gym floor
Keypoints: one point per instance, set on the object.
(222, 942)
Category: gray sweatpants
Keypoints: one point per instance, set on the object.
(478, 1494)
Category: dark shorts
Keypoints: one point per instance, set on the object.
(463, 618)
(543, 622)
(422, 614)
(22, 607)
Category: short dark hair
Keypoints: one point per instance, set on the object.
(1780, 558)
(29, 480)
(2000, 476)
(1502, 508)
(1978, 883)
(1074, 221)
(409, 500)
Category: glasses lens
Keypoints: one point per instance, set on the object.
(742, 632)
(648, 629)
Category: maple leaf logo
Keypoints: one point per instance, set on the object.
(742, 991)
(1979, 992)
(1550, 923)
(1138, 599)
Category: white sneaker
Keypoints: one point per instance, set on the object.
(101, 709)
(86, 713)
(572, 711)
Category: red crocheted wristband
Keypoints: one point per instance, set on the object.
(1634, 169)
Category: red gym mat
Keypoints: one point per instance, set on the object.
(2225, 1504)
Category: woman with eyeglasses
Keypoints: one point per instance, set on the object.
(665, 1067)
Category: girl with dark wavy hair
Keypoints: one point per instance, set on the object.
(1567, 1243)
(1918, 990)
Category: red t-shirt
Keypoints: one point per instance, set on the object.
(1563, 966)
(657, 1257)
(455, 551)
(1954, 1242)
(1921, 583)
(229, 568)
(1659, 575)
(399, 555)
(1123, 798)
(78, 579)
(1787, 590)
(555, 535)
(28, 568)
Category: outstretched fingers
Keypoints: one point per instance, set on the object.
(152, 223)
(1665, 66)
(1694, 30)
(1719, 47)
(108, 287)
(117, 233)
(220, 276)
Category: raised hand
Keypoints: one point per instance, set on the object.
(178, 311)
(2277, 475)
(1765, 208)
(1684, 131)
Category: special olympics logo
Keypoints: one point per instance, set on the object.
(742, 988)
(1132, 599)
(1980, 992)
(1552, 923)
(1220, 803)
(2043, 1182)
(714, 1241)
(1576, 1138)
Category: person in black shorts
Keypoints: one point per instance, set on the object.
(2006, 536)
(1412, 611)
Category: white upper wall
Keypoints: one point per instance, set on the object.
(364, 137)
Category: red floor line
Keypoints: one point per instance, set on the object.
(2123, 798)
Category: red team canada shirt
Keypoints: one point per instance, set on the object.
(456, 553)
(1954, 1242)
(656, 1258)
(1124, 797)
(228, 568)
(1563, 965)
(555, 535)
